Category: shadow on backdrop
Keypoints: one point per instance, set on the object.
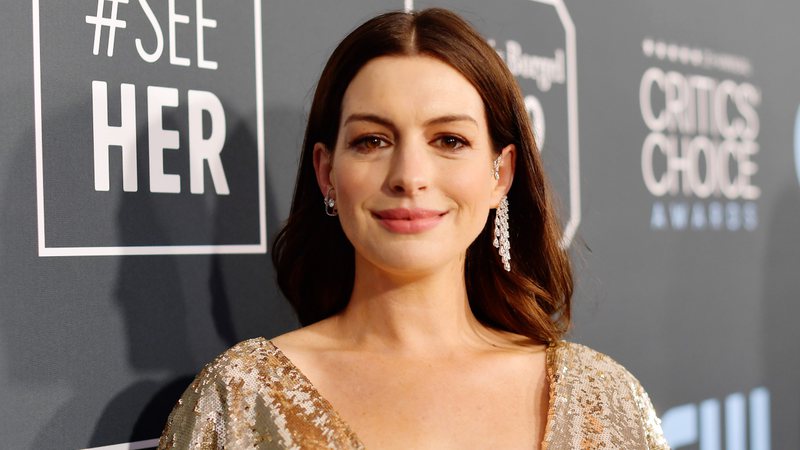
(154, 306)
(240, 301)
(178, 311)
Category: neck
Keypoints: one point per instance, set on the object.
(413, 314)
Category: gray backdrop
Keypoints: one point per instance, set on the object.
(671, 131)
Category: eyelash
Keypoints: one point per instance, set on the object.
(461, 142)
(361, 143)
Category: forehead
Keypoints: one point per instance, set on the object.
(411, 88)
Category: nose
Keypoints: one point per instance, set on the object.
(409, 171)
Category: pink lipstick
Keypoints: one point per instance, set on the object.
(409, 221)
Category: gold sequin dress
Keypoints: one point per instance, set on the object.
(253, 397)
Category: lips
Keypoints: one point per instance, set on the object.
(409, 220)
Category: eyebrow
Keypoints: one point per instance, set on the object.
(452, 118)
(374, 118)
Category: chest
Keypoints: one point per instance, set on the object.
(496, 403)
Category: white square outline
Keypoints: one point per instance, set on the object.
(261, 247)
(574, 220)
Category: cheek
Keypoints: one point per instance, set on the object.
(471, 187)
(354, 184)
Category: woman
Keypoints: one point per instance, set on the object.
(422, 256)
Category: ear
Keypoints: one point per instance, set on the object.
(323, 167)
(508, 160)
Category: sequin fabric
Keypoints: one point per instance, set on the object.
(252, 396)
(596, 404)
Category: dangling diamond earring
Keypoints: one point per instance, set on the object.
(330, 203)
(501, 241)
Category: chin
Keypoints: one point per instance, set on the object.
(408, 262)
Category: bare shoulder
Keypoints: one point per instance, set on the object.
(512, 342)
(311, 339)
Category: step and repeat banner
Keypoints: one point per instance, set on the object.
(149, 154)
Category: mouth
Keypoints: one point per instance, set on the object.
(409, 220)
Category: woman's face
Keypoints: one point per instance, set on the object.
(412, 167)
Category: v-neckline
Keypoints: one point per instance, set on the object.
(550, 364)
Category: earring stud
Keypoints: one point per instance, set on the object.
(330, 203)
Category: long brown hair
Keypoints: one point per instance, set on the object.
(315, 262)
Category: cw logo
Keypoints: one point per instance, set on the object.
(693, 424)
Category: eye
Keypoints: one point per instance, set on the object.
(451, 142)
(369, 142)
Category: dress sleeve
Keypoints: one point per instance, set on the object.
(597, 403)
(651, 424)
(197, 420)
